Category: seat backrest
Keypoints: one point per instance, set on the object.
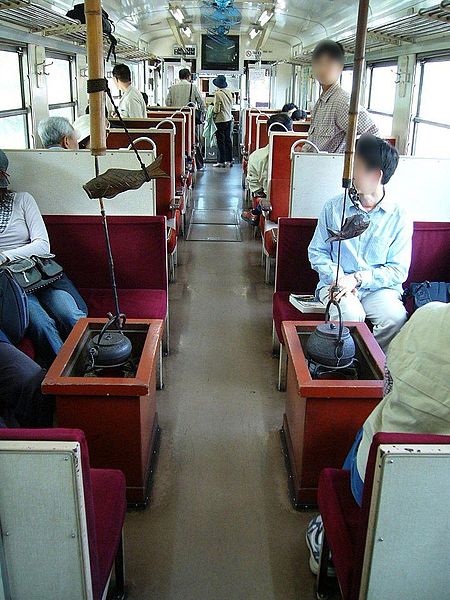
(279, 176)
(165, 123)
(55, 179)
(301, 126)
(404, 519)
(138, 244)
(168, 113)
(262, 131)
(293, 269)
(253, 118)
(163, 140)
(47, 516)
(430, 253)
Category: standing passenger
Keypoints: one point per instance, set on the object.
(329, 117)
(132, 104)
(223, 118)
(182, 93)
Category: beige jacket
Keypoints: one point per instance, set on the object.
(258, 169)
(419, 363)
(223, 104)
(180, 94)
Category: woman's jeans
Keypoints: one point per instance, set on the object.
(53, 313)
(224, 142)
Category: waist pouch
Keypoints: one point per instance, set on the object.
(35, 273)
(428, 291)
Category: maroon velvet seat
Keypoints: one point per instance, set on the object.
(136, 304)
(105, 506)
(140, 258)
(345, 523)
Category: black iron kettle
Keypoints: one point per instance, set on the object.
(110, 348)
(331, 345)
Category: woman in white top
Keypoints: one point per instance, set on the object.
(55, 309)
(223, 118)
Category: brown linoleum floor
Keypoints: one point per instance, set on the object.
(220, 525)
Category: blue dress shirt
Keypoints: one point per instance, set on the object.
(382, 254)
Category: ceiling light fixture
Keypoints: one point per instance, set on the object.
(187, 31)
(254, 32)
(177, 14)
(265, 17)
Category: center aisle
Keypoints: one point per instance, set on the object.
(219, 525)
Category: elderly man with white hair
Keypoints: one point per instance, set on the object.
(57, 133)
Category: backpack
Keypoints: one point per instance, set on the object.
(77, 14)
(428, 291)
(14, 317)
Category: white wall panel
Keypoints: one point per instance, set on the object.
(56, 178)
(422, 185)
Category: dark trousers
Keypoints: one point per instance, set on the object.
(224, 143)
(21, 401)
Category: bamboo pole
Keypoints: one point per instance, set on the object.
(96, 70)
(358, 73)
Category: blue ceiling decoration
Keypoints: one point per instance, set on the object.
(219, 17)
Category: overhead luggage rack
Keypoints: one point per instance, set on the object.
(413, 27)
(43, 20)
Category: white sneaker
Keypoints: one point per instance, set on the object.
(314, 538)
(229, 164)
(220, 165)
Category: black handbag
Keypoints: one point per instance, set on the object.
(199, 114)
(427, 291)
(14, 317)
(35, 273)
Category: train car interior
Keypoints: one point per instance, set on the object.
(224, 300)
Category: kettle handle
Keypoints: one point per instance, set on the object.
(339, 351)
(113, 319)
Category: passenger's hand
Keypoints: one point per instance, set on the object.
(346, 285)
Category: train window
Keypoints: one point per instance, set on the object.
(13, 110)
(431, 131)
(60, 88)
(381, 83)
(347, 80)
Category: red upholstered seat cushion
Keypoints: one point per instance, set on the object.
(341, 517)
(136, 304)
(108, 491)
(270, 242)
(283, 310)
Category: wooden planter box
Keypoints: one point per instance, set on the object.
(117, 414)
(322, 417)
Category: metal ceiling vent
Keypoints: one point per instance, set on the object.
(219, 17)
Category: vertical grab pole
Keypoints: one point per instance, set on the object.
(96, 70)
(358, 72)
(96, 90)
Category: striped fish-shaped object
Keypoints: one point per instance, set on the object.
(115, 181)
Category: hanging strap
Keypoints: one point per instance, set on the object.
(190, 95)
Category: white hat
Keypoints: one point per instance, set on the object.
(82, 127)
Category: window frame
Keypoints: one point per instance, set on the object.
(24, 110)
(73, 103)
(370, 69)
(416, 119)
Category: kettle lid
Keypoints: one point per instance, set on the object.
(331, 330)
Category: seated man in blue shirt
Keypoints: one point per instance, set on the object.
(21, 402)
(375, 264)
